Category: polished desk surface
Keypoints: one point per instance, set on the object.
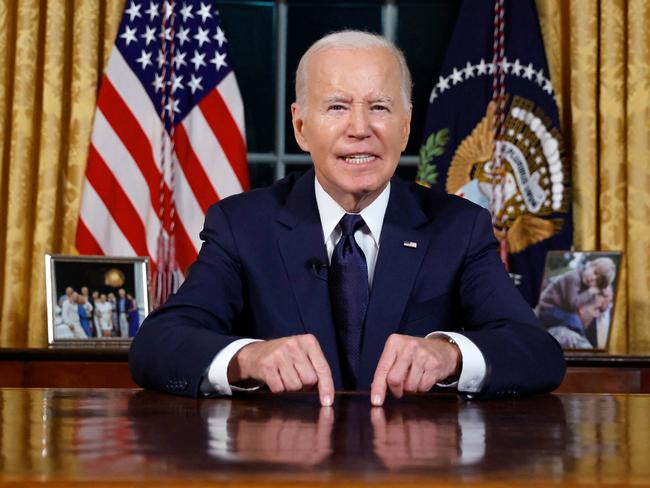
(120, 437)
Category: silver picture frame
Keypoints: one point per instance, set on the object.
(95, 301)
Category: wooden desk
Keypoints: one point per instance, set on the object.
(107, 368)
(122, 437)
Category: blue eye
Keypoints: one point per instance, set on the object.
(336, 107)
(380, 108)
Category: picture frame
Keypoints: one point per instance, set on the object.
(95, 301)
(578, 298)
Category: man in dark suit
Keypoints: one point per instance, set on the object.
(346, 276)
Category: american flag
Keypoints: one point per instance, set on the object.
(168, 138)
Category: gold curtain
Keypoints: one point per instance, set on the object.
(52, 55)
(599, 57)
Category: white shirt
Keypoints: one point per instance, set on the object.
(367, 236)
(70, 312)
(105, 311)
(474, 369)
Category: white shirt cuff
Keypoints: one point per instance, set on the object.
(474, 369)
(216, 381)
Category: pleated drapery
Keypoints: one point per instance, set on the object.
(52, 55)
(599, 57)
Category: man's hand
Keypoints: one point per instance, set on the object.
(411, 364)
(287, 364)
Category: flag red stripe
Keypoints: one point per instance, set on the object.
(152, 267)
(225, 128)
(85, 241)
(185, 250)
(138, 145)
(117, 202)
(196, 176)
(120, 179)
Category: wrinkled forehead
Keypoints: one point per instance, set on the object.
(372, 97)
(366, 73)
(352, 58)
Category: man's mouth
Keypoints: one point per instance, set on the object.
(363, 158)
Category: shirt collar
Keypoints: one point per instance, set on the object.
(331, 212)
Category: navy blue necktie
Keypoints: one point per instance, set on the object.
(348, 283)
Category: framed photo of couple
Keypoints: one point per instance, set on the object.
(95, 300)
(578, 298)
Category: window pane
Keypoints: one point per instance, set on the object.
(298, 167)
(407, 172)
(423, 32)
(250, 30)
(309, 21)
(261, 174)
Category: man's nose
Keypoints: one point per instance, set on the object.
(359, 126)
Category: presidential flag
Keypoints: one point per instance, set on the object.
(493, 135)
(168, 138)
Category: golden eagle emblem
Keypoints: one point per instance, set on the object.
(529, 184)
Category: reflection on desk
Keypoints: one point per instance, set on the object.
(126, 436)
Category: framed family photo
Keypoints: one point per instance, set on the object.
(578, 298)
(95, 300)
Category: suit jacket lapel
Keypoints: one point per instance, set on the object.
(395, 273)
(300, 240)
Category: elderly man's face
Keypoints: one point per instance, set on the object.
(355, 123)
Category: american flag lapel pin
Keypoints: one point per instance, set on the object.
(411, 244)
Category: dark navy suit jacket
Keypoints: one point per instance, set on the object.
(262, 273)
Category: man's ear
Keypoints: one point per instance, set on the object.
(298, 127)
(406, 129)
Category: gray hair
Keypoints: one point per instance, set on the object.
(351, 39)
